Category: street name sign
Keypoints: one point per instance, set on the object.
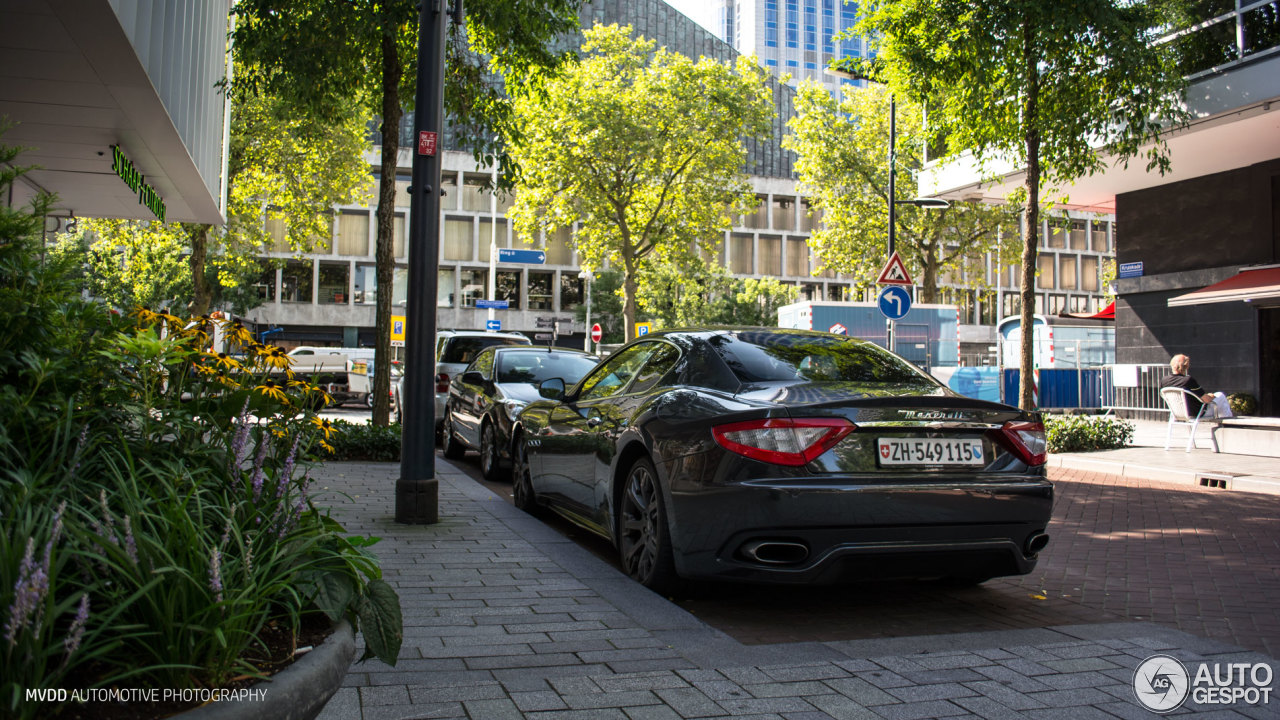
(529, 257)
(494, 304)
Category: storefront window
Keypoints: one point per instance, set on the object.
(400, 286)
(295, 282)
(364, 288)
(571, 289)
(444, 288)
(540, 283)
(509, 288)
(333, 283)
(266, 284)
(474, 286)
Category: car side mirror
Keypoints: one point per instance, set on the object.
(552, 389)
(473, 378)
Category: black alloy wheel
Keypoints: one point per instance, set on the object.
(522, 483)
(645, 541)
(490, 463)
(453, 449)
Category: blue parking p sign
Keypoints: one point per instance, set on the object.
(493, 325)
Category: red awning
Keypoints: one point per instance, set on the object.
(1106, 313)
(1249, 285)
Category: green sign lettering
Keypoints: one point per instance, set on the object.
(137, 182)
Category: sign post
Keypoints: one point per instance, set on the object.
(597, 334)
(895, 300)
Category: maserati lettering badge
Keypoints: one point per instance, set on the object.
(932, 415)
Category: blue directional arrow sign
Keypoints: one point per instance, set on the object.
(529, 257)
(495, 304)
(894, 302)
(493, 325)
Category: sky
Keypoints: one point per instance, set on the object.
(699, 10)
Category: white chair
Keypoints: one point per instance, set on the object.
(1176, 399)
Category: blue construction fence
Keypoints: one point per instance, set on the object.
(1059, 388)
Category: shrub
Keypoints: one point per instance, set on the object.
(364, 441)
(1081, 433)
(1242, 404)
(155, 513)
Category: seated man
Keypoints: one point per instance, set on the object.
(1217, 402)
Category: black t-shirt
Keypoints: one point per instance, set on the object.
(1188, 383)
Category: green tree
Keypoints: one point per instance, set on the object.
(705, 294)
(329, 56)
(841, 160)
(643, 149)
(606, 306)
(285, 173)
(1058, 88)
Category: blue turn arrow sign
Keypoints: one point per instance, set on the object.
(530, 257)
(894, 302)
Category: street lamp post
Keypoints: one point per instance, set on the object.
(894, 202)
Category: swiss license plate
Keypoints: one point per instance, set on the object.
(909, 451)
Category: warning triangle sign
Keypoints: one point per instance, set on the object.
(894, 272)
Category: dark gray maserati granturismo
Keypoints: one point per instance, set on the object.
(763, 454)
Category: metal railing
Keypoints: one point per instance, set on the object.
(1135, 391)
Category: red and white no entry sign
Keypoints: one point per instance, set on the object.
(596, 332)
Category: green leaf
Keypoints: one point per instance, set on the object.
(380, 621)
(332, 592)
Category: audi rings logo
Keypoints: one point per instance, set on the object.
(1161, 683)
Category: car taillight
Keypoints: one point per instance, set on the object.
(782, 441)
(1026, 440)
(442, 383)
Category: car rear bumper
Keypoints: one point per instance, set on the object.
(791, 531)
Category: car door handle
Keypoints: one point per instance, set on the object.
(594, 422)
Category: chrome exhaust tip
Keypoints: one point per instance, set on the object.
(776, 552)
(1036, 543)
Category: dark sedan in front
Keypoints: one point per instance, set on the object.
(793, 456)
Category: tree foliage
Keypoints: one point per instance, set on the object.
(330, 56)
(841, 160)
(705, 294)
(1058, 88)
(642, 149)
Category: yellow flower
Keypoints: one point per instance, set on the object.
(272, 390)
(327, 446)
(144, 315)
(237, 333)
(324, 425)
(226, 361)
(277, 358)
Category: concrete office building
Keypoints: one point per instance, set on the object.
(117, 103)
(1199, 248)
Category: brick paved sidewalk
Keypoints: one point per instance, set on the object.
(504, 618)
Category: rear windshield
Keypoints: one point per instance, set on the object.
(463, 350)
(534, 366)
(762, 356)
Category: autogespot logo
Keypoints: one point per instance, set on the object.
(1161, 683)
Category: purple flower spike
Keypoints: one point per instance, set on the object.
(76, 633)
(28, 596)
(215, 575)
(259, 474)
(240, 443)
(130, 544)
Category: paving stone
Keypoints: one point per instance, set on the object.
(652, 712)
(604, 714)
(987, 708)
(455, 693)
(641, 681)
(944, 676)
(689, 702)
(1069, 713)
(611, 699)
(538, 700)
(921, 710)
(1079, 665)
(919, 693)
(884, 679)
(861, 691)
(791, 689)
(840, 707)
(384, 695)
(777, 705)
(1006, 695)
(1070, 698)
(499, 709)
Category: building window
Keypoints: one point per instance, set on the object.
(798, 257)
(784, 213)
(444, 288)
(758, 220)
(742, 255)
(1045, 272)
(475, 193)
(457, 240)
(295, 282)
(810, 218)
(353, 234)
(1011, 304)
(364, 290)
(1089, 274)
(400, 286)
(509, 287)
(571, 290)
(1098, 236)
(810, 292)
(266, 284)
(398, 236)
(540, 284)
(402, 191)
(448, 191)
(487, 228)
(1078, 239)
(837, 292)
(1057, 304)
(1057, 235)
(276, 231)
(560, 247)
(333, 283)
(1067, 272)
(475, 286)
(770, 256)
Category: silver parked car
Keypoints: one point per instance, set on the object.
(455, 349)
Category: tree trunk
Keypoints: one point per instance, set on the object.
(385, 253)
(629, 290)
(201, 293)
(929, 285)
(1031, 239)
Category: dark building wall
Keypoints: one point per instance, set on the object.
(1188, 235)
